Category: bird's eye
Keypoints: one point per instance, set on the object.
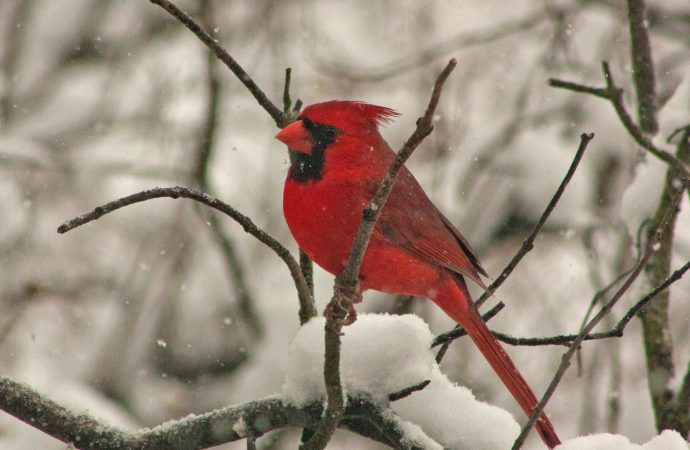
(324, 135)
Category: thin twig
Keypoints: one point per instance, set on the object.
(408, 391)
(606, 309)
(614, 95)
(287, 101)
(528, 243)
(177, 192)
(616, 331)
(277, 115)
(576, 87)
(565, 363)
(307, 308)
(345, 291)
(458, 332)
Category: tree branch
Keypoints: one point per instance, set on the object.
(616, 331)
(655, 318)
(643, 66)
(278, 117)
(655, 238)
(177, 192)
(281, 118)
(614, 95)
(307, 306)
(527, 244)
(345, 293)
(232, 423)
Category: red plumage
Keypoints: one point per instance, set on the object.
(338, 159)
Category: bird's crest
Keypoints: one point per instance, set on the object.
(344, 114)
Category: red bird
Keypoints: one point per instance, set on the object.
(338, 158)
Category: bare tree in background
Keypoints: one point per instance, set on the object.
(169, 308)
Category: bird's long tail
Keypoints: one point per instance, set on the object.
(463, 311)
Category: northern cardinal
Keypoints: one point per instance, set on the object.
(338, 158)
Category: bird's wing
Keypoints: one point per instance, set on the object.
(410, 220)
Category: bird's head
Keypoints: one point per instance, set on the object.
(321, 124)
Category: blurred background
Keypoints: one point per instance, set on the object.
(164, 308)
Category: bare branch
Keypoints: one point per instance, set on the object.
(616, 331)
(527, 244)
(575, 87)
(177, 192)
(655, 317)
(408, 391)
(655, 238)
(307, 307)
(275, 113)
(567, 357)
(614, 95)
(345, 291)
(287, 101)
(643, 66)
(458, 332)
(567, 339)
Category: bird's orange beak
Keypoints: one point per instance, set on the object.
(296, 137)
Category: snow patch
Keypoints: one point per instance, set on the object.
(667, 440)
(381, 354)
(455, 418)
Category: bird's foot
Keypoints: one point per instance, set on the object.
(341, 311)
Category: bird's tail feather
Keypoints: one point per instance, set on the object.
(467, 316)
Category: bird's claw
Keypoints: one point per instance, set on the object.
(341, 311)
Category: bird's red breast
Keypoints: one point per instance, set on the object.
(338, 159)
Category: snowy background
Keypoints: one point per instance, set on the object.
(142, 316)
